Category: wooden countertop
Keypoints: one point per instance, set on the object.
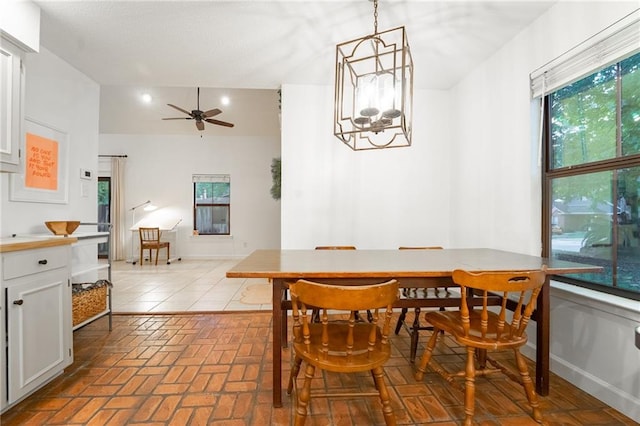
(28, 243)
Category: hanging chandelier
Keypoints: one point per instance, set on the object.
(374, 90)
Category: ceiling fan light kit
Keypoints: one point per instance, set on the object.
(374, 90)
(200, 116)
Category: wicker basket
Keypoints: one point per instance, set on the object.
(88, 300)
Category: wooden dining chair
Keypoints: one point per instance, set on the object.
(150, 240)
(316, 312)
(481, 329)
(439, 293)
(347, 346)
(315, 316)
(335, 247)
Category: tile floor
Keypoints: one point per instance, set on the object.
(215, 369)
(185, 286)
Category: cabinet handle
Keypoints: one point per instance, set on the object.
(18, 302)
(42, 262)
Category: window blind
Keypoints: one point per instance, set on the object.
(616, 42)
(211, 178)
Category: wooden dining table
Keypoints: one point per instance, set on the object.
(412, 268)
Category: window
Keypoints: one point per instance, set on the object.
(211, 204)
(591, 181)
(104, 212)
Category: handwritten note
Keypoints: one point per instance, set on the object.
(41, 165)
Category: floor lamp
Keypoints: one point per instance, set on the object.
(148, 208)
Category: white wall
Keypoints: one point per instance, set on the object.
(63, 98)
(499, 198)
(471, 179)
(160, 168)
(332, 195)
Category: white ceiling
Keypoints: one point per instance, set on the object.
(260, 44)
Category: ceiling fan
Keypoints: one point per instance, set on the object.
(200, 116)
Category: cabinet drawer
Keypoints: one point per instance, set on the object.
(22, 263)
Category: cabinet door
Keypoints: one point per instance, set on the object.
(38, 330)
(11, 82)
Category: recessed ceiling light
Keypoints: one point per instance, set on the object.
(225, 100)
(146, 98)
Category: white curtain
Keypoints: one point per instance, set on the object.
(613, 44)
(118, 211)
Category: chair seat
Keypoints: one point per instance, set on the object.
(362, 358)
(451, 322)
(154, 245)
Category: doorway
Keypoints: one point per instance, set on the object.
(104, 212)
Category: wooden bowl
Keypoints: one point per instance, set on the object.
(63, 227)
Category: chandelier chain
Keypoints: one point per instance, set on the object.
(375, 16)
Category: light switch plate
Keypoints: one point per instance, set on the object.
(86, 174)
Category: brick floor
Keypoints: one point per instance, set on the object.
(199, 369)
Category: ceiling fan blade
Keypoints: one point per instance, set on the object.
(211, 113)
(178, 118)
(199, 125)
(179, 109)
(218, 122)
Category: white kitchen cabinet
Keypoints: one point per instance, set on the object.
(36, 302)
(11, 105)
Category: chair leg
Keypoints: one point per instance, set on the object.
(426, 356)
(284, 337)
(529, 389)
(481, 355)
(285, 319)
(157, 253)
(304, 396)
(470, 387)
(387, 411)
(358, 318)
(141, 255)
(373, 376)
(415, 333)
(168, 253)
(315, 315)
(401, 318)
(293, 375)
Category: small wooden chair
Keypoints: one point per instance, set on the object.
(341, 346)
(150, 240)
(481, 329)
(335, 248)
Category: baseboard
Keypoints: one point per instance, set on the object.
(627, 404)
